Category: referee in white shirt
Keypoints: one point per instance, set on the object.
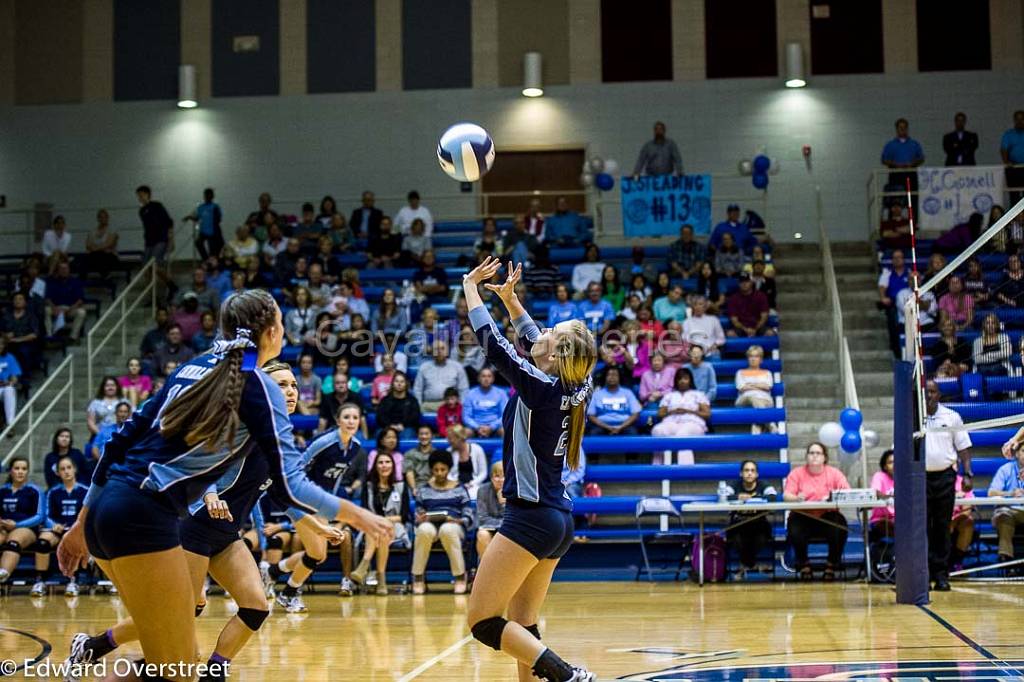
(942, 449)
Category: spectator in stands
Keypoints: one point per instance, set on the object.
(489, 241)
(20, 329)
(927, 306)
(542, 276)
(672, 306)
(490, 508)
(264, 213)
(100, 248)
(382, 382)
(1010, 291)
(614, 352)
(341, 364)
(596, 311)
(342, 237)
(535, 225)
(154, 338)
(707, 286)
(657, 381)
(1008, 481)
(10, 373)
(741, 235)
(763, 283)
(639, 287)
(56, 244)
(893, 280)
(646, 267)
(21, 515)
(587, 272)
(612, 289)
(63, 446)
(562, 309)
(103, 408)
(407, 215)
(300, 321)
(319, 290)
(936, 262)
(650, 327)
(564, 227)
(1011, 148)
(30, 282)
(756, 533)
(673, 345)
(754, 386)
(685, 254)
(286, 263)
(173, 349)
(218, 277)
(958, 304)
(955, 240)
(415, 461)
(613, 409)
(814, 482)
(122, 411)
(728, 257)
(135, 386)
(961, 527)
(659, 156)
(399, 409)
(65, 302)
(328, 209)
(443, 512)
(469, 462)
(324, 257)
(519, 244)
(206, 296)
(703, 329)
(385, 247)
(365, 221)
(758, 253)
(902, 151)
(187, 317)
(748, 311)
(449, 413)
(469, 353)
(430, 279)
(415, 244)
(484, 407)
(207, 216)
(425, 332)
(243, 248)
(660, 286)
(158, 235)
(387, 495)
(389, 318)
(387, 445)
(434, 377)
(330, 403)
(883, 518)
(992, 349)
(895, 230)
(951, 355)
(960, 144)
(704, 379)
(308, 230)
(682, 413)
(310, 387)
(629, 312)
(975, 284)
(203, 339)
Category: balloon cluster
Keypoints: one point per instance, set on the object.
(757, 168)
(847, 433)
(600, 173)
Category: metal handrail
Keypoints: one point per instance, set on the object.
(123, 308)
(29, 408)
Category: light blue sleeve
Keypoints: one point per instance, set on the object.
(33, 521)
(634, 405)
(294, 513)
(1002, 481)
(257, 524)
(49, 522)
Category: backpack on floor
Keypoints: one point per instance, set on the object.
(714, 559)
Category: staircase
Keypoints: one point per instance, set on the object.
(810, 358)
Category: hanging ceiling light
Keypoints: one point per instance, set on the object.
(187, 87)
(795, 66)
(533, 83)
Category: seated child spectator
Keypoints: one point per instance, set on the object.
(450, 411)
(382, 382)
(883, 518)
(387, 495)
(443, 512)
(613, 409)
(490, 508)
(681, 413)
(962, 525)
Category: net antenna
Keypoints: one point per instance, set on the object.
(914, 351)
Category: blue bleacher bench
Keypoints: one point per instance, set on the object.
(607, 473)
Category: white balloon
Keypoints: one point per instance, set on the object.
(746, 167)
(611, 167)
(596, 164)
(869, 438)
(587, 180)
(830, 434)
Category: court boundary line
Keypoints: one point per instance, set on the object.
(45, 648)
(434, 660)
(956, 632)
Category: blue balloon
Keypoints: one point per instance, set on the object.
(762, 163)
(850, 442)
(604, 181)
(760, 180)
(851, 419)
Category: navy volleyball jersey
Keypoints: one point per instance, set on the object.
(328, 461)
(272, 512)
(25, 506)
(140, 456)
(241, 487)
(536, 419)
(63, 505)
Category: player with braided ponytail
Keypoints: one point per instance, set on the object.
(543, 427)
(213, 413)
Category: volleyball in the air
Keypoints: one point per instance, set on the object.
(465, 152)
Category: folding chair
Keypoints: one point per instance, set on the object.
(661, 506)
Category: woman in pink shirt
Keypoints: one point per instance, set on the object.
(814, 482)
(958, 304)
(658, 381)
(962, 525)
(382, 382)
(883, 518)
(136, 385)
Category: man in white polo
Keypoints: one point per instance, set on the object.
(942, 450)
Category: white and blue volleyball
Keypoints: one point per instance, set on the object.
(465, 152)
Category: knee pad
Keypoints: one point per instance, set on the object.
(253, 618)
(488, 631)
(43, 547)
(533, 630)
(199, 609)
(11, 546)
(311, 562)
(275, 542)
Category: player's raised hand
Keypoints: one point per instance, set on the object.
(485, 271)
(507, 290)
